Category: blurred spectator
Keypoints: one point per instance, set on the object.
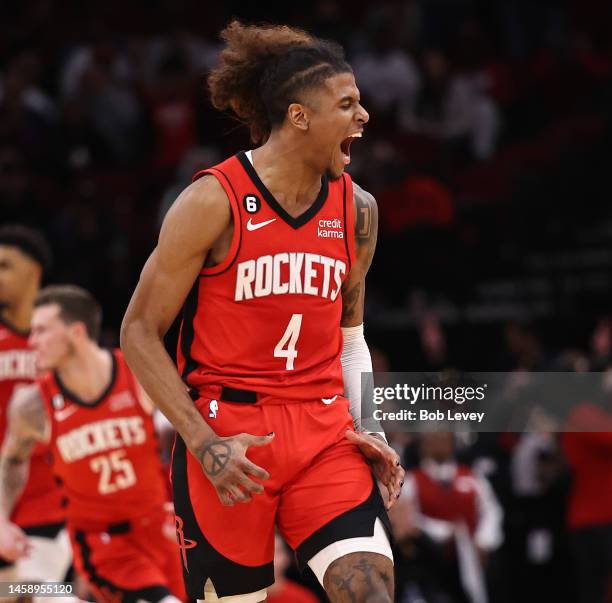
(386, 74)
(458, 518)
(601, 344)
(587, 444)
(95, 90)
(524, 347)
(452, 108)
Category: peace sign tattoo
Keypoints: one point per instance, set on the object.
(215, 458)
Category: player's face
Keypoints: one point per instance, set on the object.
(50, 337)
(337, 118)
(16, 273)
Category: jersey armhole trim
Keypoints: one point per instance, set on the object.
(349, 219)
(48, 406)
(232, 254)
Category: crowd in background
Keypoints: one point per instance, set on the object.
(488, 151)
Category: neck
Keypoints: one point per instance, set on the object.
(87, 372)
(289, 174)
(19, 315)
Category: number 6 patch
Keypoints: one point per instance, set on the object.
(251, 203)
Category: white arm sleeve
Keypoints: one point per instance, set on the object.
(489, 535)
(356, 359)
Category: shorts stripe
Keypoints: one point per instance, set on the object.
(354, 523)
(200, 559)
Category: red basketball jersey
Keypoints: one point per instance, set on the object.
(104, 452)
(41, 500)
(267, 318)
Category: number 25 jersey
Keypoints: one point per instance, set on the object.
(105, 452)
(267, 318)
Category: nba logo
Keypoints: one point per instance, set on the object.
(213, 407)
(58, 401)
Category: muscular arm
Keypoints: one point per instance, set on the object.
(356, 355)
(195, 221)
(27, 425)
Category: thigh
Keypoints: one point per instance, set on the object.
(336, 481)
(232, 547)
(360, 578)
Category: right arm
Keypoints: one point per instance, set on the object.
(27, 425)
(196, 220)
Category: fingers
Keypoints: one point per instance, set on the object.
(252, 440)
(19, 547)
(252, 469)
(236, 486)
(353, 436)
(250, 486)
(368, 446)
(239, 495)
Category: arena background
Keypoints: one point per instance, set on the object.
(489, 151)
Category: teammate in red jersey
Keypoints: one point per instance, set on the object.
(267, 254)
(24, 256)
(92, 412)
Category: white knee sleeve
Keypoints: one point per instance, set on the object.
(377, 543)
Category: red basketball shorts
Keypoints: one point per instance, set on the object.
(320, 490)
(132, 560)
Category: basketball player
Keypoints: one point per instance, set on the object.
(89, 408)
(24, 256)
(267, 254)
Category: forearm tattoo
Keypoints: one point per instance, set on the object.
(14, 471)
(350, 300)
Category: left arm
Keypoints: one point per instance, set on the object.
(355, 353)
(27, 425)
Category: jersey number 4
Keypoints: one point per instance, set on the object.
(285, 348)
(116, 472)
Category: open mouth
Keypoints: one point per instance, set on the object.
(345, 147)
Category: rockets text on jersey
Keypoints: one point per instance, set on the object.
(267, 318)
(105, 452)
(41, 501)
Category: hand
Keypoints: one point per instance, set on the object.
(225, 464)
(385, 463)
(14, 543)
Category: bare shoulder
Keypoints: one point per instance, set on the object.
(203, 200)
(196, 219)
(27, 413)
(366, 225)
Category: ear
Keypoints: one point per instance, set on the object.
(298, 116)
(78, 330)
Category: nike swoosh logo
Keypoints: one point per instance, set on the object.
(329, 400)
(251, 226)
(62, 415)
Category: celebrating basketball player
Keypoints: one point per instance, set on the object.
(267, 255)
(92, 412)
(24, 256)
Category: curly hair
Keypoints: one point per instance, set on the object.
(264, 68)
